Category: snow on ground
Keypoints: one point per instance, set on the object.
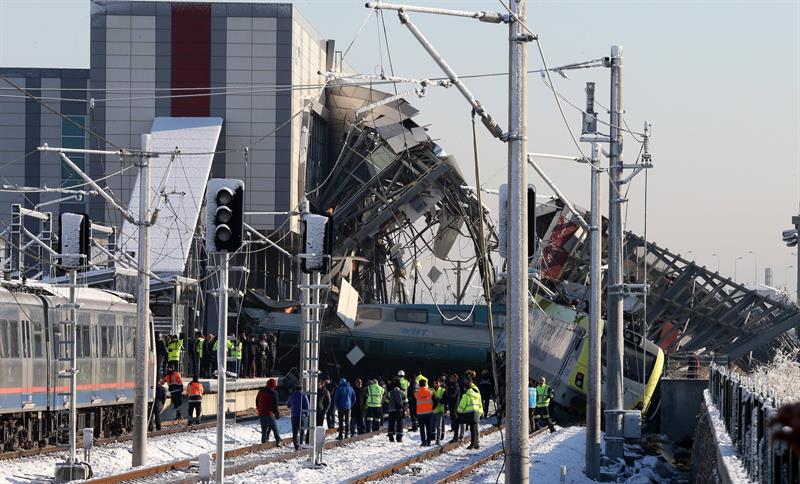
(727, 450)
(548, 453)
(114, 458)
(342, 463)
(433, 470)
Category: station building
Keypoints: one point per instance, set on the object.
(252, 64)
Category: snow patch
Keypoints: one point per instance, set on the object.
(725, 447)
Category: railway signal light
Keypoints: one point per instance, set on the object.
(74, 231)
(225, 220)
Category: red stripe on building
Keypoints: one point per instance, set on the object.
(191, 59)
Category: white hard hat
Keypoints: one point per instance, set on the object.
(401, 373)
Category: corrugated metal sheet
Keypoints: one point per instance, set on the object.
(178, 186)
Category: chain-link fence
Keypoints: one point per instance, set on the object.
(746, 409)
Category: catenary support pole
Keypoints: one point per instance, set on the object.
(615, 327)
(139, 456)
(518, 459)
(222, 349)
(796, 222)
(73, 365)
(595, 293)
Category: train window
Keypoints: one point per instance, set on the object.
(369, 313)
(37, 339)
(127, 342)
(457, 318)
(13, 339)
(108, 345)
(411, 315)
(3, 338)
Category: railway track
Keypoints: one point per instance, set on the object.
(174, 427)
(237, 462)
(459, 473)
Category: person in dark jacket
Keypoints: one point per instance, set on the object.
(330, 415)
(209, 356)
(161, 355)
(357, 412)
(272, 353)
(343, 399)
(486, 387)
(158, 407)
(267, 405)
(397, 404)
(253, 349)
(323, 403)
(298, 404)
(261, 359)
(453, 396)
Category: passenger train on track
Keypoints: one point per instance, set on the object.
(34, 351)
(451, 338)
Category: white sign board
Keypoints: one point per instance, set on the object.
(347, 308)
(355, 355)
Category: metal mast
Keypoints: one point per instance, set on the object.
(595, 295)
(222, 371)
(139, 456)
(615, 327)
(518, 466)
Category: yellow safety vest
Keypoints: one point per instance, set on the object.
(374, 395)
(420, 378)
(174, 350)
(470, 401)
(236, 352)
(404, 383)
(543, 395)
(439, 393)
(198, 346)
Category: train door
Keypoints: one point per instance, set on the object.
(84, 344)
(26, 350)
(107, 332)
(11, 362)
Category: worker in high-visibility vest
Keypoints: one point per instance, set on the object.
(195, 393)
(175, 385)
(235, 351)
(470, 409)
(199, 342)
(437, 421)
(374, 406)
(424, 398)
(544, 393)
(174, 348)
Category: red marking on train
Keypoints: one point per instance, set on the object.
(99, 386)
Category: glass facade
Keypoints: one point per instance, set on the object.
(73, 136)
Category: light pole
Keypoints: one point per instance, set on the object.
(736, 267)
(755, 266)
(717, 256)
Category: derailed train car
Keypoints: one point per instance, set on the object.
(34, 354)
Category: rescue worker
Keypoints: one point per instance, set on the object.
(235, 351)
(330, 415)
(298, 403)
(161, 355)
(486, 387)
(470, 409)
(158, 407)
(343, 399)
(438, 410)
(412, 400)
(544, 393)
(424, 398)
(197, 360)
(195, 392)
(398, 402)
(174, 348)
(175, 385)
(228, 347)
(374, 404)
(531, 404)
(267, 405)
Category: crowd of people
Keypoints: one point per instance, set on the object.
(248, 356)
(430, 404)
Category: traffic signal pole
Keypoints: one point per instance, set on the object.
(222, 339)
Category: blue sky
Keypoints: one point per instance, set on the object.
(718, 80)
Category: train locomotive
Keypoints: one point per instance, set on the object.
(34, 358)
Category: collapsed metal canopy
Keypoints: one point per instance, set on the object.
(388, 185)
(689, 308)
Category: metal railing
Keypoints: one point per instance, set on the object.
(746, 409)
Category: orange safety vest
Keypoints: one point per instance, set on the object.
(424, 400)
(173, 379)
(194, 390)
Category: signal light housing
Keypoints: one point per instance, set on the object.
(225, 220)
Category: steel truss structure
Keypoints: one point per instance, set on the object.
(688, 308)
